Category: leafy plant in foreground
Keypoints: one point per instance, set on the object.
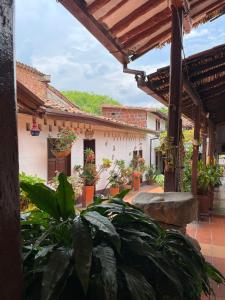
(111, 250)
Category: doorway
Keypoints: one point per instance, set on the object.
(62, 164)
(89, 144)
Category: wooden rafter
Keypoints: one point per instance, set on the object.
(96, 5)
(137, 13)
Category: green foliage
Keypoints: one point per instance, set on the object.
(159, 179)
(150, 174)
(64, 140)
(58, 204)
(24, 199)
(109, 251)
(89, 102)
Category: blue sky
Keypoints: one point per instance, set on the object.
(50, 39)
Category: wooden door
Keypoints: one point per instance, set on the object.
(58, 164)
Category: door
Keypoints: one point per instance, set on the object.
(58, 164)
(89, 144)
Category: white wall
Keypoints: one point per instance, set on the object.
(110, 143)
(151, 122)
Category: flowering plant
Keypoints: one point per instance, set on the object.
(138, 165)
(89, 174)
(64, 140)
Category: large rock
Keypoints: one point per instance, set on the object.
(176, 209)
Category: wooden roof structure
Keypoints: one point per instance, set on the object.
(203, 84)
(130, 28)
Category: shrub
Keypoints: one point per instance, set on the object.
(24, 199)
(109, 251)
(159, 179)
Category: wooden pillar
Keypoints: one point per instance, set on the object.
(195, 151)
(204, 143)
(172, 176)
(10, 264)
(211, 146)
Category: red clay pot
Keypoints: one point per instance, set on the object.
(88, 195)
(113, 191)
(136, 183)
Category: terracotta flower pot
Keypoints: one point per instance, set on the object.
(125, 187)
(61, 154)
(203, 205)
(136, 183)
(113, 191)
(88, 195)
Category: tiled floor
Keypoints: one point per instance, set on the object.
(210, 233)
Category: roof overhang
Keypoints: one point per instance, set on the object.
(130, 28)
(97, 120)
(203, 84)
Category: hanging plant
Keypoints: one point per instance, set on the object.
(168, 151)
(62, 144)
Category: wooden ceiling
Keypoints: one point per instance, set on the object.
(130, 28)
(203, 80)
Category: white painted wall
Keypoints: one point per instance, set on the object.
(110, 143)
(151, 122)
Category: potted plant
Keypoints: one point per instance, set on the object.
(114, 182)
(62, 144)
(136, 180)
(138, 166)
(90, 175)
(150, 175)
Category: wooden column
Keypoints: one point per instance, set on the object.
(211, 145)
(204, 143)
(10, 264)
(172, 176)
(195, 151)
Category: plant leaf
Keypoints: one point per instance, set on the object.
(65, 197)
(82, 252)
(103, 225)
(43, 197)
(107, 259)
(56, 269)
(139, 287)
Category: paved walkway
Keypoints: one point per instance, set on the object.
(210, 233)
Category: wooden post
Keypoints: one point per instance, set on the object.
(204, 143)
(10, 264)
(172, 176)
(211, 143)
(195, 151)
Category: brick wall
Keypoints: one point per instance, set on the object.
(32, 80)
(131, 116)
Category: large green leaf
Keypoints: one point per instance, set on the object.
(82, 252)
(214, 274)
(138, 286)
(43, 197)
(103, 225)
(107, 260)
(65, 197)
(56, 269)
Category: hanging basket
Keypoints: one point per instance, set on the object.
(60, 154)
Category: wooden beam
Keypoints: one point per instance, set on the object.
(113, 10)
(204, 143)
(217, 70)
(150, 23)
(152, 43)
(136, 13)
(79, 11)
(171, 176)
(10, 263)
(195, 151)
(189, 89)
(96, 5)
(148, 32)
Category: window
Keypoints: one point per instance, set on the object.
(157, 124)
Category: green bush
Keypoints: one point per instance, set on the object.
(109, 251)
(159, 179)
(24, 199)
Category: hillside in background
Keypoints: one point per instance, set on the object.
(89, 102)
